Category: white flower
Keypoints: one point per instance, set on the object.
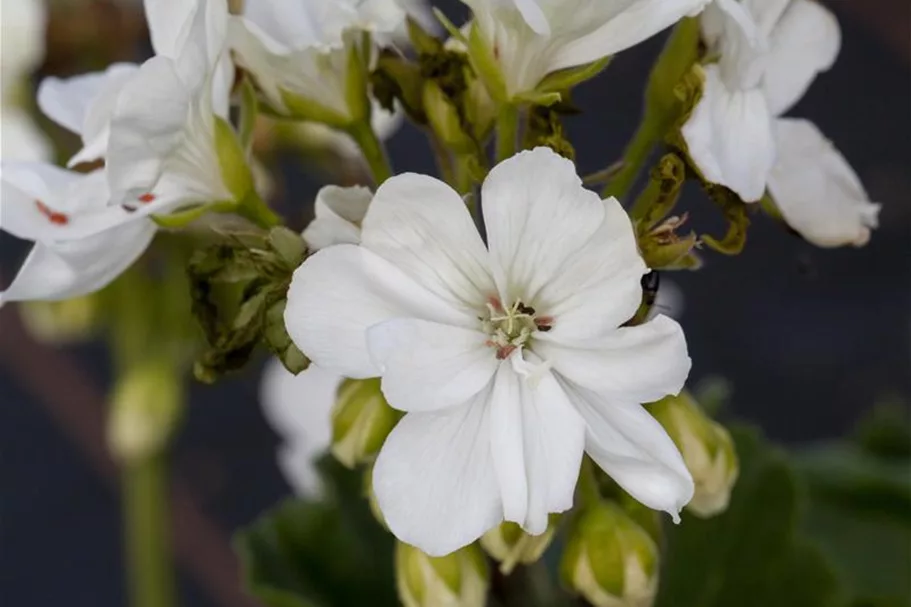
(533, 38)
(162, 148)
(769, 54)
(299, 52)
(509, 362)
(81, 242)
(299, 408)
(817, 192)
(21, 52)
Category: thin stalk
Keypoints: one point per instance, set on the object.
(635, 156)
(257, 211)
(147, 527)
(507, 132)
(373, 150)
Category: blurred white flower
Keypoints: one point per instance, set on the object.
(530, 39)
(338, 215)
(81, 242)
(21, 52)
(509, 362)
(300, 53)
(299, 408)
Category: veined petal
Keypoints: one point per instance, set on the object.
(729, 137)
(428, 366)
(638, 364)
(537, 440)
(534, 16)
(339, 212)
(434, 479)
(637, 21)
(421, 225)
(340, 292)
(805, 41)
(633, 449)
(816, 190)
(78, 267)
(558, 246)
(299, 408)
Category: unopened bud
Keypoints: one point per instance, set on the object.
(145, 408)
(510, 545)
(56, 322)
(610, 560)
(361, 421)
(459, 579)
(707, 450)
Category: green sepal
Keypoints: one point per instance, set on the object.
(423, 42)
(303, 108)
(232, 160)
(485, 66)
(564, 80)
(249, 109)
(357, 96)
(735, 212)
(544, 99)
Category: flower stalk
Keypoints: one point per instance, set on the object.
(507, 132)
(373, 149)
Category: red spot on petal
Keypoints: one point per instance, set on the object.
(503, 352)
(59, 219)
(495, 303)
(147, 198)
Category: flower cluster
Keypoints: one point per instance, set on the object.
(488, 342)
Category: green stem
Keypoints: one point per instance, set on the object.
(147, 526)
(373, 151)
(443, 158)
(507, 132)
(635, 156)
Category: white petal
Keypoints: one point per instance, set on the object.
(636, 22)
(534, 16)
(805, 42)
(428, 366)
(729, 137)
(74, 268)
(558, 246)
(340, 292)
(816, 190)
(638, 364)
(188, 28)
(634, 450)
(339, 212)
(20, 138)
(42, 202)
(434, 479)
(537, 440)
(299, 408)
(422, 226)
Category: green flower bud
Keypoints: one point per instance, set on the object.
(707, 450)
(610, 560)
(361, 421)
(459, 579)
(510, 545)
(444, 118)
(145, 409)
(56, 322)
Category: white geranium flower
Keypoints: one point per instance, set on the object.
(21, 52)
(162, 149)
(299, 408)
(769, 54)
(509, 361)
(81, 242)
(299, 52)
(817, 192)
(530, 39)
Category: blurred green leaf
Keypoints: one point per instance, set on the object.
(752, 554)
(329, 553)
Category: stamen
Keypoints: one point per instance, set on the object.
(54, 217)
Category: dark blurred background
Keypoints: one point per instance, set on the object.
(809, 339)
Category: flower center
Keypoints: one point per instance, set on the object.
(511, 327)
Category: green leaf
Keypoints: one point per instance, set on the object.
(752, 555)
(330, 553)
(860, 514)
(249, 108)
